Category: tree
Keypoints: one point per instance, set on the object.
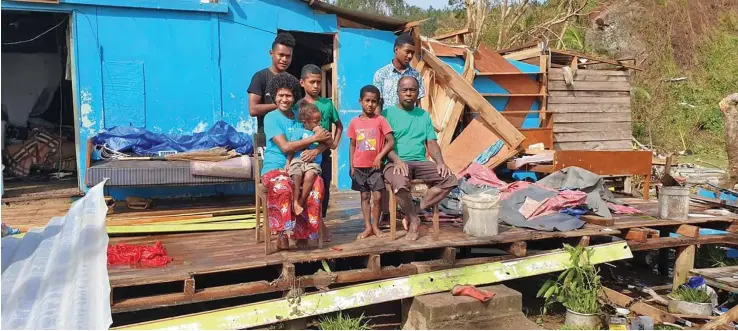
(392, 8)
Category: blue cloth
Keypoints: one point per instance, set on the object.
(696, 281)
(139, 141)
(275, 124)
(302, 133)
(490, 152)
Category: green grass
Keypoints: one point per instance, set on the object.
(665, 327)
(572, 327)
(343, 322)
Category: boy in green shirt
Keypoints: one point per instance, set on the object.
(311, 79)
(414, 136)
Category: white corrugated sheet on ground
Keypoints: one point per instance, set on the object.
(56, 277)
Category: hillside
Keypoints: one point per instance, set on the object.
(687, 49)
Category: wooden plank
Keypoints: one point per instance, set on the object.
(452, 34)
(588, 94)
(595, 58)
(668, 242)
(511, 95)
(593, 72)
(447, 134)
(592, 127)
(589, 108)
(659, 316)
(557, 75)
(440, 49)
(684, 256)
(592, 136)
(280, 310)
(589, 100)
(561, 118)
(156, 228)
(589, 86)
(606, 162)
(523, 54)
(597, 220)
(730, 316)
(614, 145)
(473, 141)
(466, 92)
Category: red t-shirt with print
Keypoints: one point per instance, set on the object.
(369, 135)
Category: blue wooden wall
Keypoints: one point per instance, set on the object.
(172, 66)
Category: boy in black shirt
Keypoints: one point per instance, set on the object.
(260, 102)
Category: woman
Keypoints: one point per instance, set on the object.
(278, 125)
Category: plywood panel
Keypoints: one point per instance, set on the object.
(473, 141)
(612, 145)
(592, 127)
(606, 163)
(535, 136)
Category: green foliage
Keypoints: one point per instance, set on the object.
(713, 256)
(573, 327)
(343, 322)
(577, 287)
(688, 294)
(665, 327)
(574, 38)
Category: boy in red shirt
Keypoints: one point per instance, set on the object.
(371, 141)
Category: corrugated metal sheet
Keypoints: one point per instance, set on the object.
(56, 277)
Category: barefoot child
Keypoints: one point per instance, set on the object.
(303, 173)
(371, 141)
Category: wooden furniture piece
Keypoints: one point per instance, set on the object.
(418, 187)
(260, 199)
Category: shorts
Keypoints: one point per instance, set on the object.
(423, 170)
(367, 180)
(300, 167)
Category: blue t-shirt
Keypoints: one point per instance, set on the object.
(275, 124)
(300, 134)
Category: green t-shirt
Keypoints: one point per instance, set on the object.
(328, 110)
(411, 129)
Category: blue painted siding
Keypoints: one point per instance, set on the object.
(360, 54)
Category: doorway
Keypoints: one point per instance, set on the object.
(318, 49)
(38, 135)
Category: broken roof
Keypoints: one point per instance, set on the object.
(371, 20)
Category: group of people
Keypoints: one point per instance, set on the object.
(390, 142)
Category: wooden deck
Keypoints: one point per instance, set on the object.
(219, 265)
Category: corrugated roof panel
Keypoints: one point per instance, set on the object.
(56, 277)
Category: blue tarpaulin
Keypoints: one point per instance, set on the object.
(139, 141)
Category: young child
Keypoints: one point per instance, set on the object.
(371, 141)
(304, 173)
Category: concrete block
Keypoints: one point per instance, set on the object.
(447, 312)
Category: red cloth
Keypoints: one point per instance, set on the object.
(481, 175)
(471, 291)
(564, 199)
(138, 255)
(369, 135)
(623, 210)
(280, 212)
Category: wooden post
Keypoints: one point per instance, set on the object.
(189, 286)
(684, 256)
(436, 223)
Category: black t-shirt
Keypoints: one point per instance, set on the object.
(258, 86)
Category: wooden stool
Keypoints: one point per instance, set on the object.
(260, 197)
(417, 188)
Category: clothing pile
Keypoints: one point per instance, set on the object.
(138, 255)
(554, 203)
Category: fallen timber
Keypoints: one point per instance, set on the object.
(381, 291)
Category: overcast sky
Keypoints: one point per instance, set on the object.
(428, 3)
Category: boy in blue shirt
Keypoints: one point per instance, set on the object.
(303, 173)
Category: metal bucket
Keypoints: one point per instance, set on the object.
(674, 203)
(689, 308)
(585, 321)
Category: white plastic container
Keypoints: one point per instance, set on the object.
(480, 213)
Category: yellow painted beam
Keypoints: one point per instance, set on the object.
(263, 313)
(159, 228)
(209, 219)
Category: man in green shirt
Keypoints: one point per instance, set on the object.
(414, 139)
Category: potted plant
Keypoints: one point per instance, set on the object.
(690, 301)
(577, 288)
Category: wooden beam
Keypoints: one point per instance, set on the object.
(447, 134)
(597, 220)
(452, 34)
(519, 249)
(659, 316)
(730, 316)
(684, 256)
(280, 310)
(476, 101)
(156, 228)
(578, 55)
